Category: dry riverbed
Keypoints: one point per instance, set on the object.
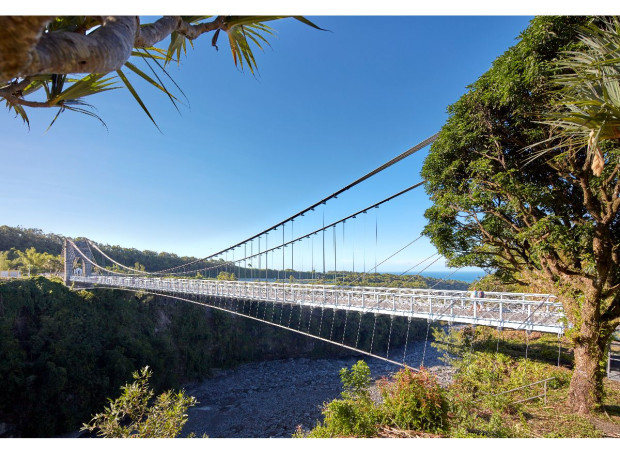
(270, 399)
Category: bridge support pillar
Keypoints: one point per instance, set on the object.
(75, 264)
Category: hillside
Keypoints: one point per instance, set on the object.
(18, 238)
(63, 353)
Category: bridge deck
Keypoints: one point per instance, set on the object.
(533, 312)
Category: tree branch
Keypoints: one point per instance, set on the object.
(18, 36)
(151, 34)
(192, 31)
(106, 49)
(26, 51)
(28, 103)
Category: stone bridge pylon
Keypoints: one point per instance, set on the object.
(75, 264)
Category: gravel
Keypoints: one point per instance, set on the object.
(270, 399)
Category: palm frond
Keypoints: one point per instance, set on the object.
(586, 89)
(150, 52)
(74, 105)
(87, 113)
(88, 85)
(158, 85)
(19, 111)
(307, 22)
(240, 29)
(163, 70)
(135, 95)
(240, 48)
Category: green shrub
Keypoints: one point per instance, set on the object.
(348, 418)
(355, 414)
(356, 381)
(137, 414)
(486, 375)
(414, 401)
(411, 401)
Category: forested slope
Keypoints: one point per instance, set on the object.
(19, 238)
(63, 352)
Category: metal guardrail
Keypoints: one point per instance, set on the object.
(612, 357)
(533, 312)
(520, 388)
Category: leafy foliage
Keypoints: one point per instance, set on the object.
(30, 261)
(355, 381)
(410, 401)
(489, 385)
(587, 93)
(355, 414)
(135, 414)
(414, 401)
(551, 224)
(22, 238)
(33, 262)
(244, 33)
(226, 276)
(478, 403)
(455, 344)
(5, 262)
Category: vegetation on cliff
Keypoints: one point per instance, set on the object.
(64, 352)
(138, 413)
(543, 211)
(492, 394)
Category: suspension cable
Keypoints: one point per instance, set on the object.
(113, 261)
(386, 165)
(419, 263)
(269, 323)
(95, 264)
(383, 261)
(323, 229)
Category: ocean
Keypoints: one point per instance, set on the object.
(467, 276)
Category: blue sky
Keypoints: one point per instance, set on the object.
(326, 108)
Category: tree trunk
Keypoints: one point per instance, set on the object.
(586, 386)
(18, 36)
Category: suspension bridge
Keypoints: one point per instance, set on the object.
(266, 280)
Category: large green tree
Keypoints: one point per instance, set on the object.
(548, 222)
(41, 55)
(137, 413)
(33, 262)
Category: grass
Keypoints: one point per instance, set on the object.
(555, 420)
(478, 404)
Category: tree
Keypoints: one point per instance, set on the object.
(135, 415)
(587, 91)
(39, 53)
(355, 381)
(5, 262)
(226, 276)
(549, 224)
(34, 262)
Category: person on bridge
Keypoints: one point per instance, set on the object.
(475, 295)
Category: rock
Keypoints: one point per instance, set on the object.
(270, 399)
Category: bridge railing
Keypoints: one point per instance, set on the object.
(391, 290)
(536, 312)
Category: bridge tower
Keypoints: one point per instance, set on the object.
(74, 261)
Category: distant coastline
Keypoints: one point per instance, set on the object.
(467, 276)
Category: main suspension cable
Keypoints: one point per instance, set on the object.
(381, 168)
(324, 228)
